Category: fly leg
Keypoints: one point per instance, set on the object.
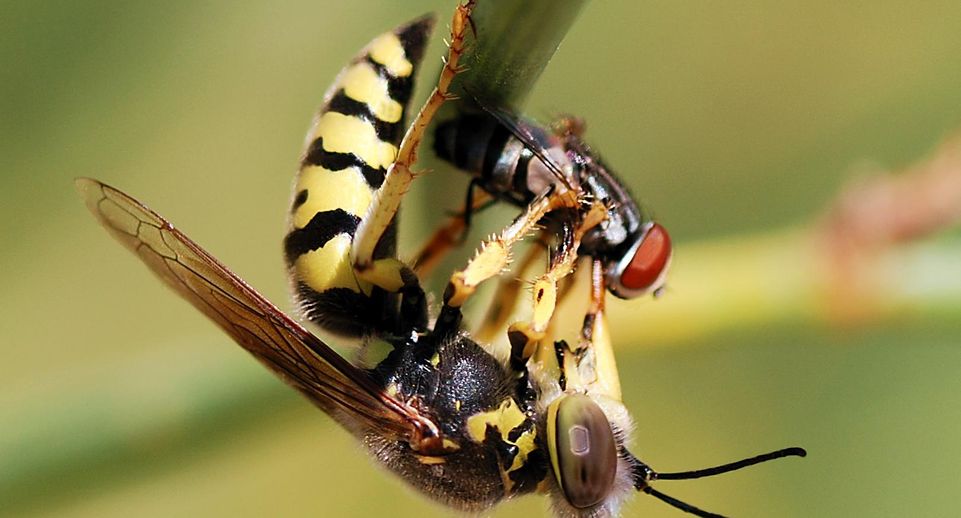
(525, 336)
(449, 235)
(494, 256)
(505, 297)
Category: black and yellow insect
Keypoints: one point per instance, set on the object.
(440, 410)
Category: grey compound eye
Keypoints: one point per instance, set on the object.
(583, 450)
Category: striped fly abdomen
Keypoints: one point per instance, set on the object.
(517, 161)
(352, 142)
(504, 165)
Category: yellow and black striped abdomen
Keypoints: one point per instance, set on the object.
(350, 145)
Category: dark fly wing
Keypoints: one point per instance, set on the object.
(295, 355)
(522, 131)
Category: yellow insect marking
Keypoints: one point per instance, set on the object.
(328, 190)
(545, 301)
(525, 445)
(457, 405)
(552, 434)
(348, 134)
(329, 267)
(488, 262)
(450, 446)
(608, 380)
(435, 361)
(388, 51)
(504, 418)
(384, 273)
(361, 83)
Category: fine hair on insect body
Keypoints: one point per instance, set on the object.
(438, 409)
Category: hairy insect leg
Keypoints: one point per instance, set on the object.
(524, 336)
(389, 273)
(505, 297)
(494, 255)
(449, 235)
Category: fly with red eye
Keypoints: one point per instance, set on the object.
(643, 269)
(515, 161)
(519, 162)
(440, 409)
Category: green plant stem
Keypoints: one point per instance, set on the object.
(514, 42)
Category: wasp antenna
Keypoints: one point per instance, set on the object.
(724, 468)
(674, 502)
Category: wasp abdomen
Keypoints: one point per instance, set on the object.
(351, 143)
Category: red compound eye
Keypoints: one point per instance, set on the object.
(649, 262)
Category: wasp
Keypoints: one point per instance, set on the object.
(439, 410)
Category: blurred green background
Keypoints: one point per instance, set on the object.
(728, 118)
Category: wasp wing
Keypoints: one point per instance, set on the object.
(295, 355)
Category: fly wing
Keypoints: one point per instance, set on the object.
(523, 132)
(295, 355)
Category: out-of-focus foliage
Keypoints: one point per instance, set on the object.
(726, 118)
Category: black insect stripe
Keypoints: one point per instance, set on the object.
(341, 310)
(470, 140)
(386, 131)
(495, 148)
(321, 229)
(515, 434)
(317, 155)
(398, 88)
(413, 38)
(300, 199)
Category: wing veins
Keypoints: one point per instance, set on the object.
(289, 350)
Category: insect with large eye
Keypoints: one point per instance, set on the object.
(439, 409)
(517, 161)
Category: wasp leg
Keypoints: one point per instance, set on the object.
(386, 273)
(493, 257)
(524, 336)
(505, 297)
(449, 235)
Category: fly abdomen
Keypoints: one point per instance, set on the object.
(485, 148)
(351, 143)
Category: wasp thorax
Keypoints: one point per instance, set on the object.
(644, 268)
(583, 450)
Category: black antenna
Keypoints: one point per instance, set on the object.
(643, 475)
(724, 468)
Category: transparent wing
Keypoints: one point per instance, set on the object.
(522, 131)
(302, 360)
